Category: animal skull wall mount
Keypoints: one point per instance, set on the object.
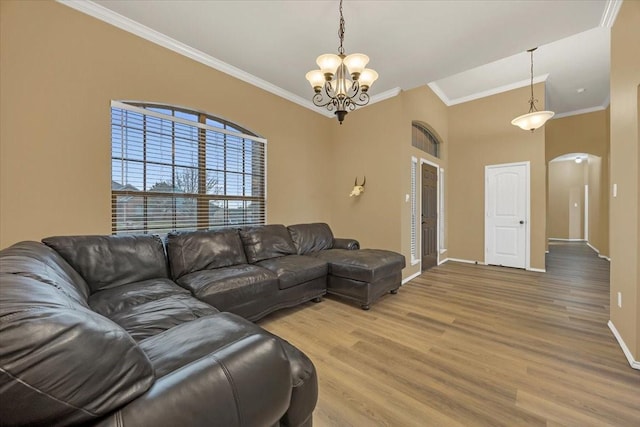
(358, 189)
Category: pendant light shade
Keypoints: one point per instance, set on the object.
(532, 121)
(534, 118)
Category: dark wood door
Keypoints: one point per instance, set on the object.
(429, 216)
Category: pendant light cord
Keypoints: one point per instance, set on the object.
(532, 100)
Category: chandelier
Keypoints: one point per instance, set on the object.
(534, 118)
(342, 81)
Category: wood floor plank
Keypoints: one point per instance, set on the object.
(472, 345)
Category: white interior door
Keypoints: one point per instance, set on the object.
(507, 215)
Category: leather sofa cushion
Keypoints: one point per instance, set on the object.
(229, 287)
(158, 305)
(122, 298)
(109, 261)
(62, 363)
(366, 265)
(40, 262)
(203, 250)
(244, 383)
(295, 270)
(179, 346)
(311, 237)
(267, 241)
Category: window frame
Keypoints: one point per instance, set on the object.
(429, 142)
(225, 134)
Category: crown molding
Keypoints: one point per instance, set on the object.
(483, 94)
(611, 9)
(110, 17)
(440, 93)
(581, 111)
(385, 95)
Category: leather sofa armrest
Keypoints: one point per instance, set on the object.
(350, 244)
(245, 383)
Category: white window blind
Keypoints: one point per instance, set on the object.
(174, 169)
(441, 215)
(414, 211)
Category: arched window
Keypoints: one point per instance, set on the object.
(424, 139)
(176, 169)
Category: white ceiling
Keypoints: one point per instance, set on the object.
(463, 49)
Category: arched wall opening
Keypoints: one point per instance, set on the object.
(575, 200)
(586, 134)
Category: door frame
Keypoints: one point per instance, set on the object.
(585, 206)
(527, 209)
(438, 195)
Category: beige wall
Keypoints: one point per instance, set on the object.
(582, 133)
(376, 142)
(598, 206)
(368, 144)
(55, 138)
(565, 206)
(422, 105)
(61, 69)
(625, 165)
(481, 134)
(586, 133)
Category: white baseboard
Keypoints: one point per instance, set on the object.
(632, 362)
(466, 261)
(442, 261)
(413, 276)
(557, 239)
(598, 252)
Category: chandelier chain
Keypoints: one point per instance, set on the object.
(341, 31)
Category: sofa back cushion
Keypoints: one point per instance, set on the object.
(60, 362)
(203, 250)
(40, 262)
(311, 237)
(267, 241)
(109, 261)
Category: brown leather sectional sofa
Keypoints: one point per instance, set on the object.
(134, 331)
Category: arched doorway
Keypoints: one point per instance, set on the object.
(577, 207)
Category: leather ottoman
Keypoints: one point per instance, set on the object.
(363, 275)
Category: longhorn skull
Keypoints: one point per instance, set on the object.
(358, 189)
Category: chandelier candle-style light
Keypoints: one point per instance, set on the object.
(534, 118)
(342, 81)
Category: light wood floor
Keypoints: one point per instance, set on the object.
(472, 345)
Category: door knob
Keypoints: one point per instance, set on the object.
(521, 221)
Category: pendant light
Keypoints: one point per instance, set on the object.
(534, 118)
